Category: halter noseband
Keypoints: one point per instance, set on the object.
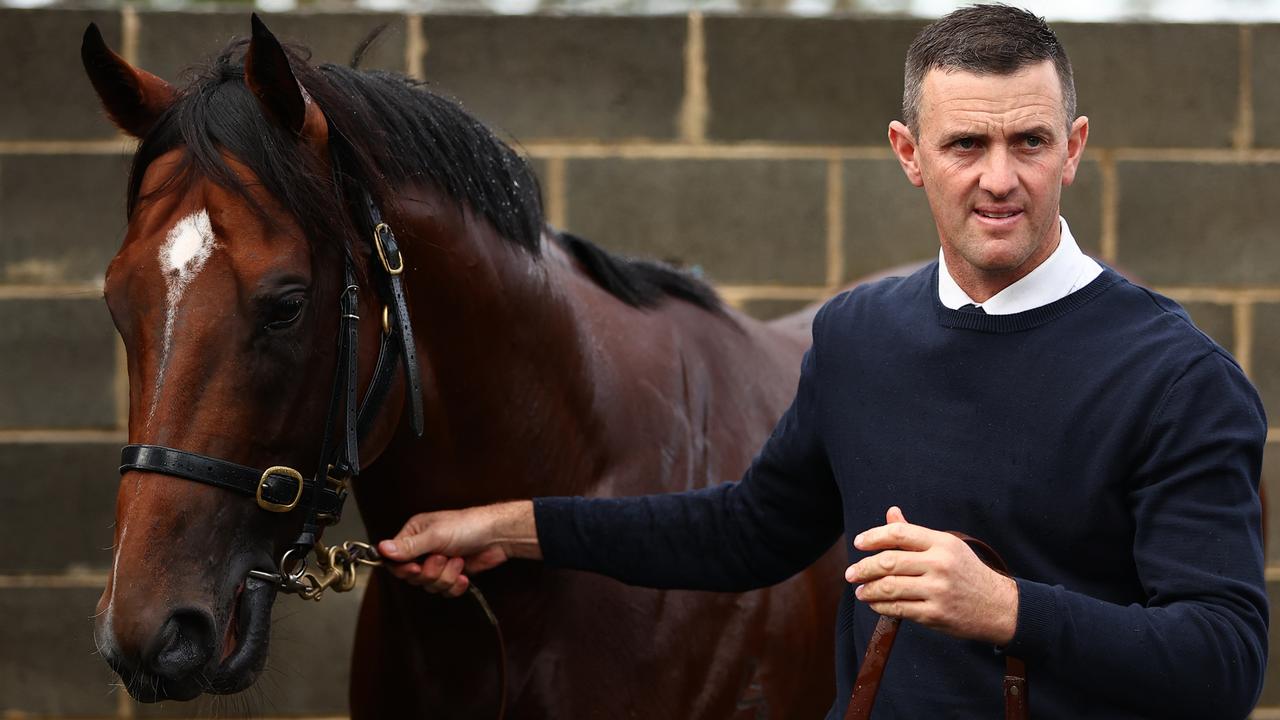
(282, 489)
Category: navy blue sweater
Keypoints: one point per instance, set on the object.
(1108, 449)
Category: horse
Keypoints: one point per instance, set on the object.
(497, 357)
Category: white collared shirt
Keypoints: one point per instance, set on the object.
(1062, 273)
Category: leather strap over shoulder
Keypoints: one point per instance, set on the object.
(871, 671)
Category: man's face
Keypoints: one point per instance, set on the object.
(992, 153)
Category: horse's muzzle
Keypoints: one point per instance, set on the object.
(191, 654)
(183, 647)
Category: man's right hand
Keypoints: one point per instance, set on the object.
(437, 550)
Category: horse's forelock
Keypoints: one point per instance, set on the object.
(217, 116)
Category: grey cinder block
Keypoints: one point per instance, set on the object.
(51, 666)
(60, 364)
(741, 221)
(1156, 85)
(805, 80)
(44, 93)
(602, 78)
(62, 217)
(1186, 223)
(75, 482)
(170, 42)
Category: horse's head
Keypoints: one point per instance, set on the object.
(228, 302)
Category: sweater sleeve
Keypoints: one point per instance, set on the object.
(1198, 646)
(774, 522)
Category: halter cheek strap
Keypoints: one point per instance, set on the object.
(384, 242)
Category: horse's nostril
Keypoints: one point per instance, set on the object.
(184, 645)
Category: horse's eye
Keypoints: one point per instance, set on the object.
(285, 312)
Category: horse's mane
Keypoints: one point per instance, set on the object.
(639, 283)
(385, 130)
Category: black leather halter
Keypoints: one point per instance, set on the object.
(282, 489)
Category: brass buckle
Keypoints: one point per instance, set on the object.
(382, 253)
(386, 318)
(279, 470)
(338, 485)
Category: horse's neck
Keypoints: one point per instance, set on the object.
(538, 382)
(507, 394)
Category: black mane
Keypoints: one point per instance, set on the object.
(639, 283)
(385, 131)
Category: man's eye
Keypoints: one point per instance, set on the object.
(965, 143)
(1034, 142)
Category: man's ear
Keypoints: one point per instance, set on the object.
(904, 147)
(1075, 149)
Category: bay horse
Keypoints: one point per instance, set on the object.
(255, 310)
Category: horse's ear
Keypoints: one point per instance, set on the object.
(267, 72)
(133, 98)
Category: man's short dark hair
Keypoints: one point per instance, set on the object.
(986, 40)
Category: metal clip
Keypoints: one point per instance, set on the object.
(335, 569)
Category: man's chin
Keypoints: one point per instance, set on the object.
(993, 256)
(998, 253)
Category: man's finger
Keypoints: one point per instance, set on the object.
(432, 567)
(401, 547)
(448, 576)
(913, 610)
(894, 515)
(411, 542)
(459, 586)
(892, 589)
(903, 536)
(883, 564)
(404, 571)
(390, 549)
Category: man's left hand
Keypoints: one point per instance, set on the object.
(935, 579)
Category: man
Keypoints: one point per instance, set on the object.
(1014, 390)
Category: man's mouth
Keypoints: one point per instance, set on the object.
(997, 213)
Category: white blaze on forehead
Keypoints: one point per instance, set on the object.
(186, 248)
(182, 255)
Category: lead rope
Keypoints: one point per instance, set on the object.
(502, 648)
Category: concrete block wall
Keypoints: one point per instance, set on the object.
(751, 147)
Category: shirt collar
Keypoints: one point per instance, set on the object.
(1066, 270)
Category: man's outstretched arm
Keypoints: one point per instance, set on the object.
(782, 515)
(452, 543)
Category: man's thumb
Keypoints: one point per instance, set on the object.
(402, 547)
(894, 515)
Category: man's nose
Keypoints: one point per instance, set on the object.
(999, 176)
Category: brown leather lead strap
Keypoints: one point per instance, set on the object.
(871, 671)
(1015, 689)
